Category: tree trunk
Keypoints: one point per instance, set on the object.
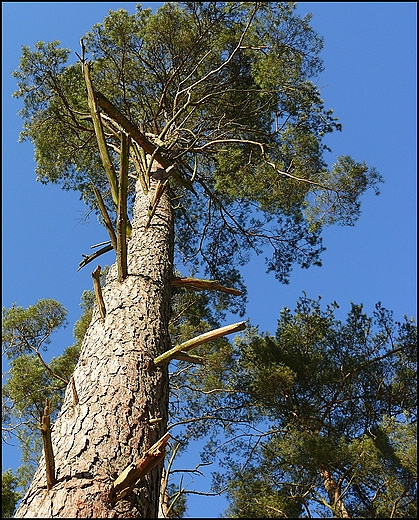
(119, 389)
(334, 492)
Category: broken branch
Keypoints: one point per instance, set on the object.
(90, 258)
(100, 136)
(126, 482)
(153, 206)
(74, 389)
(199, 284)
(121, 250)
(105, 216)
(184, 356)
(98, 292)
(203, 338)
(46, 439)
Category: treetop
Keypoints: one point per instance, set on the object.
(223, 96)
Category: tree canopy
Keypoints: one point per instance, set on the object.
(331, 415)
(222, 94)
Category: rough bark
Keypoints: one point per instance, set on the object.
(119, 388)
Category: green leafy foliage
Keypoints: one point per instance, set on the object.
(262, 499)
(25, 334)
(81, 325)
(29, 330)
(225, 94)
(318, 394)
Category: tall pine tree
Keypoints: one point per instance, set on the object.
(196, 134)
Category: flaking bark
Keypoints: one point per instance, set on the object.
(120, 391)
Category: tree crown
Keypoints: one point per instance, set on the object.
(221, 94)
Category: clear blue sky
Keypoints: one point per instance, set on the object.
(370, 82)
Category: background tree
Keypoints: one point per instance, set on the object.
(31, 380)
(331, 412)
(9, 495)
(218, 122)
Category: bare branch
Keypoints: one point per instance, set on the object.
(98, 292)
(106, 219)
(122, 222)
(199, 284)
(48, 451)
(126, 482)
(199, 340)
(97, 123)
(234, 52)
(90, 258)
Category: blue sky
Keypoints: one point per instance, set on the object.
(370, 82)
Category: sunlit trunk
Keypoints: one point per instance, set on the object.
(119, 389)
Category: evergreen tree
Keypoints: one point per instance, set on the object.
(31, 380)
(331, 409)
(9, 495)
(196, 134)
